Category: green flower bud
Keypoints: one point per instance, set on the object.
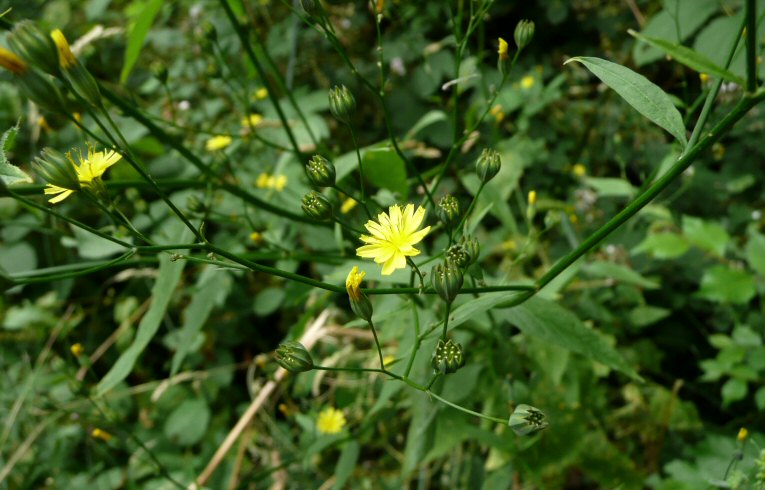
(194, 205)
(209, 31)
(293, 357)
(448, 210)
(76, 75)
(159, 70)
(317, 206)
(447, 358)
(41, 90)
(447, 280)
(488, 164)
(527, 420)
(341, 103)
(320, 171)
(360, 303)
(471, 246)
(55, 168)
(34, 46)
(457, 255)
(524, 32)
(309, 6)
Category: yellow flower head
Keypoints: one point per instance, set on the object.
(579, 170)
(252, 120)
(279, 182)
(77, 349)
(101, 434)
(65, 56)
(348, 205)
(89, 171)
(393, 237)
(502, 50)
(527, 82)
(256, 237)
(262, 182)
(217, 142)
(353, 283)
(11, 62)
(704, 78)
(261, 93)
(742, 434)
(330, 421)
(498, 113)
(532, 198)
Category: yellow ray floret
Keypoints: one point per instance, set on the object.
(353, 283)
(89, 169)
(330, 421)
(393, 237)
(65, 56)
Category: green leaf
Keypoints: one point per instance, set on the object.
(137, 35)
(663, 246)
(639, 92)
(726, 285)
(346, 464)
(643, 316)
(759, 398)
(162, 292)
(690, 58)
(610, 187)
(429, 118)
(268, 301)
(708, 236)
(10, 174)
(385, 169)
(755, 253)
(619, 272)
(734, 390)
(187, 424)
(549, 322)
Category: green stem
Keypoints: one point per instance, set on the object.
(470, 208)
(377, 343)
(751, 46)
(417, 340)
(81, 272)
(467, 410)
(363, 199)
(485, 289)
(446, 320)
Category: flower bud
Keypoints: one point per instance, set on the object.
(320, 171)
(309, 6)
(34, 46)
(210, 32)
(524, 32)
(317, 206)
(341, 103)
(12, 63)
(41, 90)
(360, 304)
(447, 358)
(457, 255)
(527, 420)
(79, 78)
(293, 357)
(159, 70)
(194, 204)
(448, 210)
(447, 280)
(471, 246)
(488, 164)
(531, 209)
(57, 169)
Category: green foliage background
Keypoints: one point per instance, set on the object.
(646, 355)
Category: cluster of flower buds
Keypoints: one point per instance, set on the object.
(320, 172)
(488, 164)
(526, 419)
(448, 210)
(446, 279)
(294, 357)
(342, 104)
(463, 253)
(447, 358)
(316, 206)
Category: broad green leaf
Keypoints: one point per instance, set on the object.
(620, 273)
(213, 285)
(734, 390)
(385, 169)
(426, 120)
(610, 187)
(137, 35)
(10, 174)
(643, 316)
(755, 253)
(162, 292)
(726, 285)
(759, 398)
(187, 424)
(706, 235)
(268, 300)
(690, 58)
(346, 463)
(639, 92)
(663, 246)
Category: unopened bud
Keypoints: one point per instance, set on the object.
(341, 103)
(320, 171)
(79, 78)
(56, 169)
(458, 256)
(524, 32)
(447, 280)
(159, 70)
(34, 46)
(488, 164)
(447, 358)
(471, 246)
(317, 206)
(309, 6)
(360, 303)
(41, 90)
(293, 357)
(448, 210)
(527, 420)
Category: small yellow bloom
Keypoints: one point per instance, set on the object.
(261, 93)
(509, 245)
(256, 237)
(252, 120)
(502, 49)
(44, 123)
(388, 360)
(11, 62)
(330, 421)
(348, 205)
(574, 219)
(393, 237)
(101, 434)
(217, 142)
(89, 172)
(532, 198)
(77, 349)
(65, 57)
(262, 182)
(280, 182)
(704, 78)
(497, 112)
(527, 82)
(742, 434)
(353, 283)
(579, 170)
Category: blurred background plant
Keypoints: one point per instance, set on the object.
(129, 366)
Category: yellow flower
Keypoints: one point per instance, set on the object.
(89, 172)
(280, 181)
(217, 142)
(262, 182)
(579, 170)
(353, 281)
(704, 78)
(261, 93)
(509, 245)
(532, 198)
(44, 123)
(393, 237)
(497, 112)
(11, 62)
(742, 434)
(527, 82)
(77, 349)
(347, 205)
(252, 120)
(101, 434)
(330, 421)
(502, 49)
(65, 57)
(256, 237)
(388, 360)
